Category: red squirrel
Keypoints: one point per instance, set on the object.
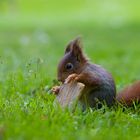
(99, 84)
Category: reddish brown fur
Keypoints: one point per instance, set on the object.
(99, 83)
(89, 80)
(129, 94)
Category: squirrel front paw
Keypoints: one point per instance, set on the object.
(72, 77)
(55, 89)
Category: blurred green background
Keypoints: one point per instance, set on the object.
(33, 36)
(41, 29)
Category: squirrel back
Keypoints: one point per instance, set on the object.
(99, 84)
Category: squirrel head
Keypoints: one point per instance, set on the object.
(73, 60)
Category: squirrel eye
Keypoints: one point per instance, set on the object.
(69, 66)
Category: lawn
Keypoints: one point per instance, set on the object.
(33, 36)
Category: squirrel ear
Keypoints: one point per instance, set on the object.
(68, 48)
(75, 42)
(77, 50)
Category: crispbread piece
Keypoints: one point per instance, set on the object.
(69, 94)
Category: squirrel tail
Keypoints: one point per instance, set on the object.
(129, 94)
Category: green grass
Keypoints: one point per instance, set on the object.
(33, 36)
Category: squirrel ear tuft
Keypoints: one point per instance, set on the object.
(77, 50)
(75, 42)
(68, 48)
(74, 47)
